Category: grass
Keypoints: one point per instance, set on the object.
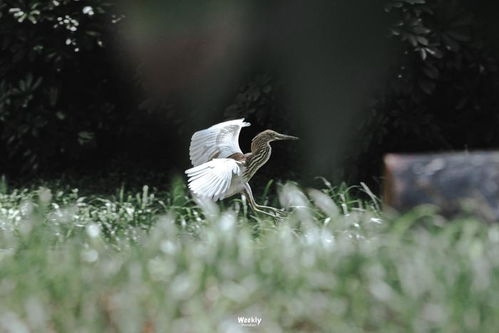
(158, 262)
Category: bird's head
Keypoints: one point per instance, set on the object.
(270, 135)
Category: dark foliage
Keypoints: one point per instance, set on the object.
(443, 92)
(58, 89)
(63, 102)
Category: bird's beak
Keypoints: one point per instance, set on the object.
(286, 137)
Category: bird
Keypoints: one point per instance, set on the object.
(219, 167)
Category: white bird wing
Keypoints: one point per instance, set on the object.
(213, 179)
(218, 141)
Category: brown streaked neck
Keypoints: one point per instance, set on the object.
(260, 154)
(260, 141)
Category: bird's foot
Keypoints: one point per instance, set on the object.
(264, 212)
(274, 211)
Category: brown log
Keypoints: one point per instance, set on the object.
(454, 182)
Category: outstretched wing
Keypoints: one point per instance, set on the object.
(218, 141)
(212, 179)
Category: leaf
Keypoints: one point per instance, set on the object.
(435, 52)
(85, 137)
(423, 40)
(423, 53)
(37, 83)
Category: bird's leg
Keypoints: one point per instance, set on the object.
(259, 208)
(248, 189)
(253, 204)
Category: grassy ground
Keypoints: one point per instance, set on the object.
(157, 262)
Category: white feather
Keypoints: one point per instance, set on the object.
(213, 179)
(218, 141)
